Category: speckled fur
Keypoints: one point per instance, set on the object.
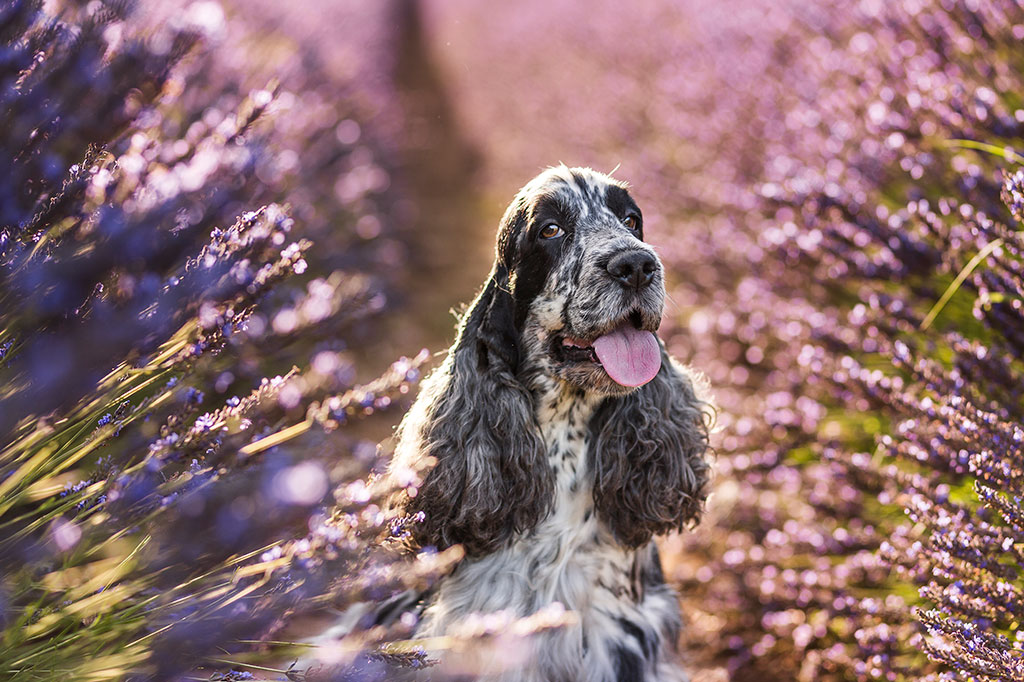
(552, 476)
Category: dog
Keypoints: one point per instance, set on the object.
(561, 439)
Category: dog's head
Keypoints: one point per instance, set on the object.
(586, 290)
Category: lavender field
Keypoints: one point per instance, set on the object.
(232, 236)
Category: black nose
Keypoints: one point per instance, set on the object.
(634, 269)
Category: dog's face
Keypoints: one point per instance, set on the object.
(588, 292)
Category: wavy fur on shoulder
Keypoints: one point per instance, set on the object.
(484, 486)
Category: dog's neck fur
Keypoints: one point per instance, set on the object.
(563, 414)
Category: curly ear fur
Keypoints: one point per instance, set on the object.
(491, 478)
(649, 447)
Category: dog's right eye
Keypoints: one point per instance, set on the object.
(550, 231)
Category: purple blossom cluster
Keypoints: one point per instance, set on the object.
(186, 441)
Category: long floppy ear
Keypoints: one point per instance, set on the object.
(649, 456)
(475, 419)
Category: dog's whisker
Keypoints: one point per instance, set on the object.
(668, 297)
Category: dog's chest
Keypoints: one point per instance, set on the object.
(620, 617)
(568, 557)
(572, 557)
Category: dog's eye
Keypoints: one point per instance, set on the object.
(550, 231)
(632, 222)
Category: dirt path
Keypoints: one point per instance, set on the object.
(382, 45)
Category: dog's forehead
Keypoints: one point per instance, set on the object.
(581, 190)
(582, 195)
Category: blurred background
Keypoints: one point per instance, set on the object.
(234, 235)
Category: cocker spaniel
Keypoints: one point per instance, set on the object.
(563, 438)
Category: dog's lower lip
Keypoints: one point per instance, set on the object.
(576, 350)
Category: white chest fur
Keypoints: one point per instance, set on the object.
(572, 559)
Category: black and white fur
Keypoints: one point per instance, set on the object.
(553, 477)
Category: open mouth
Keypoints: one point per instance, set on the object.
(576, 350)
(630, 355)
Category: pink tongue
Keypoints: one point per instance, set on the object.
(631, 357)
